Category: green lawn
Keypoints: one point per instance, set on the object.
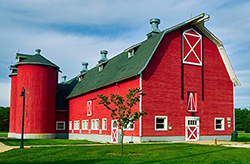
(149, 153)
(3, 134)
(28, 142)
(243, 137)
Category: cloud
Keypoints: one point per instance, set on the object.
(5, 94)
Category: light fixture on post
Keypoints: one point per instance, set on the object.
(22, 95)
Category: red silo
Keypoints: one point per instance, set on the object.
(13, 101)
(38, 76)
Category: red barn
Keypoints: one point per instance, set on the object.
(184, 71)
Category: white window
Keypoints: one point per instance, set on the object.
(219, 124)
(130, 126)
(76, 125)
(89, 108)
(60, 125)
(104, 124)
(161, 122)
(70, 125)
(85, 124)
(192, 102)
(95, 124)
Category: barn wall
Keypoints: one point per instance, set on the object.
(161, 81)
(40, 83)
(78, 109)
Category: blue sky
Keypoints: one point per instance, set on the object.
(70, 32)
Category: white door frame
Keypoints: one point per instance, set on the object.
(196, 125)
(114, 132)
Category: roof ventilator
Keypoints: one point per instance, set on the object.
(103, 59)
(154, 27)
(85, 67)
(64, 79)
(38, 51)
(103, 56)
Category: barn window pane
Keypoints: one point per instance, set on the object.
(219, 124)
(161, 123)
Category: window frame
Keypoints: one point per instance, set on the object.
(129, 128)
(75, 127)
(189, 100)
(96, 123)
(86, 124)
(63, 125)
(70, 125)
(104, 128)
(165, 123)
(89, 107)
(222, 123)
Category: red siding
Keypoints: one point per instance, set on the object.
(13, 104)
(78, 108)
(63, 116)
(40, 83)
(162, 84)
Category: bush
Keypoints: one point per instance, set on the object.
(247, 125)
(4, 118)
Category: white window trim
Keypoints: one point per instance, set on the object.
(103, 128)
(165, 123)
(200, 40)
(60, 122)
(89, 107)
(75, 127)
(86, 123)
(192, 99)
(70, 125)
(222, 124)
(94, 120)
(128, 127)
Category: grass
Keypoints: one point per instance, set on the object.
(243, 137)
(134, 153)
(28, 142)
(3, 134)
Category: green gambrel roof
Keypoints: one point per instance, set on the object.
(37, 59)
(117, 68)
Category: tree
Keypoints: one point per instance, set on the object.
(247, 125)
(240, 118)
(121, 110)
(4, 118)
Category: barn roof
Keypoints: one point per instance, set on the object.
(36, 59)
(121, 67)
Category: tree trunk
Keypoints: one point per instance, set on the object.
(122, 142)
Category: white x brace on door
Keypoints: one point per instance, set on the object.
(192, 129)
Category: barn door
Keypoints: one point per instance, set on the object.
(192, 129)
(114, 131)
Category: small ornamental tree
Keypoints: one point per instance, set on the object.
(247, 124)
(121, 110)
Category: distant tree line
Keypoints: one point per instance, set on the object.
(242, 119)
(4, 118)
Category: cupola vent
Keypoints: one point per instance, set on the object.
(103, 56)
(38, 51)
(154, 27)
(85, 67)
(64, 78)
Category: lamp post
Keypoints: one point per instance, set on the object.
(22, 95)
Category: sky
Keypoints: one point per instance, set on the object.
(70, 32)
